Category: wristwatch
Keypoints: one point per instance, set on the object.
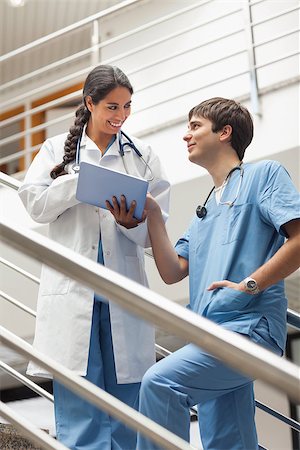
(251, 286)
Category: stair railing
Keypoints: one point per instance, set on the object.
(249, 50)
(97, 396)
(293, 318)
(237, 351)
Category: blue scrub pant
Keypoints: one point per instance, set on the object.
(225, 398)
(80, 425)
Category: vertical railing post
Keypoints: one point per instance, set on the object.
(95, 56)
(27, 140)
(251, 57)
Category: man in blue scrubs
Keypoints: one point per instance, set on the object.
(237, 251)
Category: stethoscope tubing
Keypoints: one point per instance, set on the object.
(129, 142)
(201, 210)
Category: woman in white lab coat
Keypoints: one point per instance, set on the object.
(88, 334)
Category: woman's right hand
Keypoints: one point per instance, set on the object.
(122, 215)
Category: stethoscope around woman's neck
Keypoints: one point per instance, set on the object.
(201, 210)
(122, 145)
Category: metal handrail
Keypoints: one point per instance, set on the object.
(17, 303)
(67, 29)
(12, 183)
(49, 105)
(191, 69)
(276, 38)
(160, 351)
(108, 42)
(164, 352)
(125, 35)
(19, 270)
(137, 69)
(21, 153)
(31, 432)
(191, 91)
(32, 130)
(155, 22)
(287, 420)
(293, 319)
(156, 128)
(9, 181)
(30, 384)
(97, 396)
(234, 350)
(44, 125)
(275, 16)
(76, 94)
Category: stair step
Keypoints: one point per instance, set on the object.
(11, 439)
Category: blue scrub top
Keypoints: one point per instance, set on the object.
(100, 260)
(230, 243)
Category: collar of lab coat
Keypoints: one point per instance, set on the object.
(88, 145)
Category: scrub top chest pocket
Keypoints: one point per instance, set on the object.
(235, 222)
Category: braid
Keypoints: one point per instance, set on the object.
(82, 115)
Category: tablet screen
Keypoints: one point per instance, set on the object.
(96, 184)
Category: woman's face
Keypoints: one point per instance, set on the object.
(108, 116)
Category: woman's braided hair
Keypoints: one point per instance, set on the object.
(99, 83)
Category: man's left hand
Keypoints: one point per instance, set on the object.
(226, 283)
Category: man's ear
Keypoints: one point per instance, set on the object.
(225, 134)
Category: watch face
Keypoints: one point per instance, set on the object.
(251, 284)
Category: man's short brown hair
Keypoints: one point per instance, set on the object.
(221, 111)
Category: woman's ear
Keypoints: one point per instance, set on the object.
(89, 103)
(226, 132)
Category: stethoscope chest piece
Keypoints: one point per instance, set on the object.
(76, 168)
(201, 211)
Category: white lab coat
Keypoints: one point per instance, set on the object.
(65, 307)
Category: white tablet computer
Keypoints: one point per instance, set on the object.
(97, 184)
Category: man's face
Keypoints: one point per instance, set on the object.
(202, 143)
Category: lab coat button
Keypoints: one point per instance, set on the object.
(94, 247)
(108, 253)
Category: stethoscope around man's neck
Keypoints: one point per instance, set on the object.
(122, 145)
(201, 210)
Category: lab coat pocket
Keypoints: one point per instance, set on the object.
(236, 222)
(134, 269)
(53, 282)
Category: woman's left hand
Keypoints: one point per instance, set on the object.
(123, 216)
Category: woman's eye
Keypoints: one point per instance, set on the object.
(128, 106)
(112, 107)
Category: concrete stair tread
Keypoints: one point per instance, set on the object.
(11, 439)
